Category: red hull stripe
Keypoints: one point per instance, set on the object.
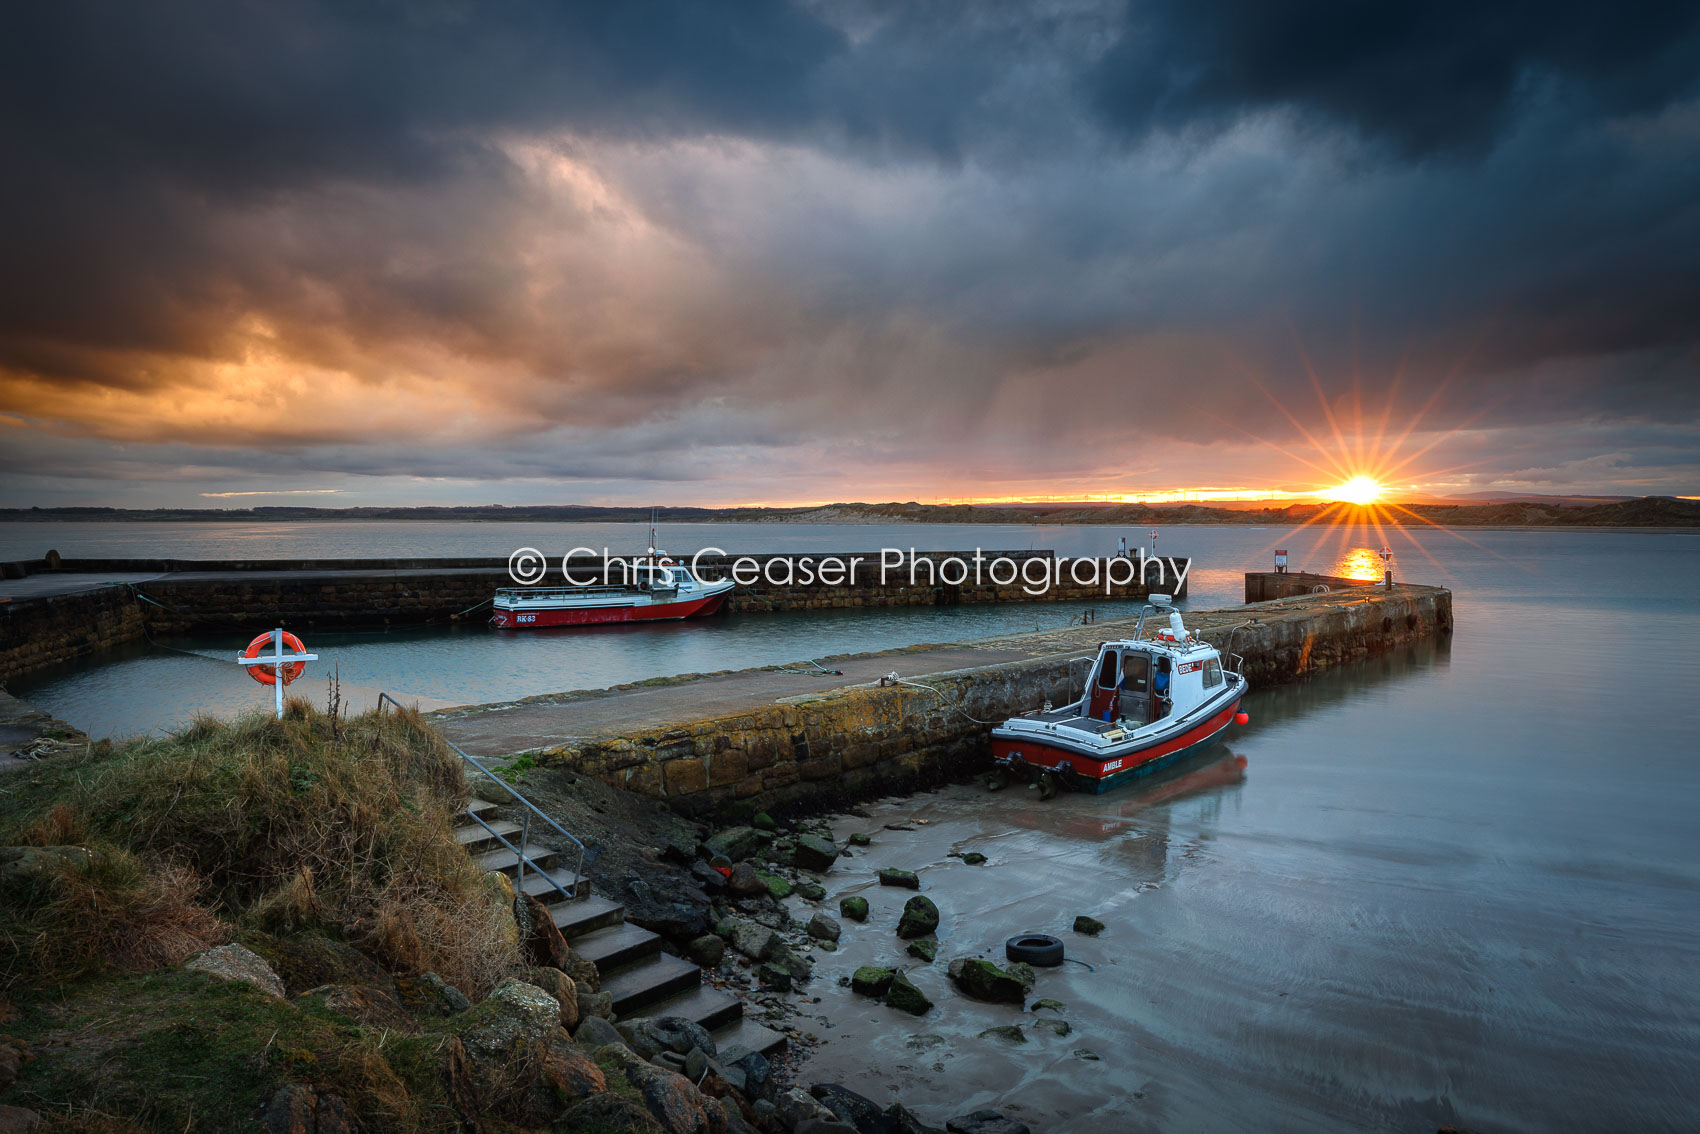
(590, 616)
(1044, 756)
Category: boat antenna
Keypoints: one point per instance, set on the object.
(652, 529)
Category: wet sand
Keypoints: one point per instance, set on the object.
(1380, 908)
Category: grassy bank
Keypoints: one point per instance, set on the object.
(322, 844)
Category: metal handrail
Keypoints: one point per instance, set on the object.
(521, 858)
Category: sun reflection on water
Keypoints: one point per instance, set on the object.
(1358, 563)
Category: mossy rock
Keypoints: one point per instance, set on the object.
(905, 879)
(762, 821)
(811, 891)
(925, 948)
(1090, 926)
(779, 887)
(920, 917)
(905, 997)
(1047, 1005)
(860, 840)
(854, 908)
(871, 980)
(1008, 1033)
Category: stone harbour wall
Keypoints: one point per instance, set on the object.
(59, 628)
(250, 596)
(827, 750)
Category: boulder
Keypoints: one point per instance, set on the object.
(512, 1024)
(735, 1123)
(899, 1120)
(1046, 1005)
(973, 858)
(824, 927)
(612, 1113)
(774, 977)
(558, 985)
(239, 963)
(594, 1032)
(860, 840)
(430, 995)
(1023, 972)
(595, 1004)
(796, 1106)
(986, 1122)
(811, 891)
(544, 946)
(745, 882)
(564, 1075)
(29, 863)
(1090, 926)
(762, 821)
(854, 908)
(707, 950)
(585, 974)
(983, 980)
(735, 843)
(797, 966)
(16, 1119)
(668, 1096)
(861, 1112)
(920, 917)
(824, 1126)
(925, 948)
(757, 1071)
(650, 1035)
(905, 997)
(1055, 1027)
(755, 941)
(871, 980)
(815, 853)
(907, 879)
(778, 886)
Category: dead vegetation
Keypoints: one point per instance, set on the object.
(312, 822)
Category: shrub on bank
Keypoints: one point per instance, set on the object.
(312, 822)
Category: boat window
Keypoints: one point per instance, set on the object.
(1212, 673)
(1107, 672)
(1136, 673)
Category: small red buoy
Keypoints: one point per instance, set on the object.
(1242, 718)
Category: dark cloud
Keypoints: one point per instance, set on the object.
(585, 243)
(1430, 78)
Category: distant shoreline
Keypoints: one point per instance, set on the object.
(1649, 514)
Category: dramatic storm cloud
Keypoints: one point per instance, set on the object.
(558, 252)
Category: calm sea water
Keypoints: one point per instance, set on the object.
(1458, 884)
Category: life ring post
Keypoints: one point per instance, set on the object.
(275, 668)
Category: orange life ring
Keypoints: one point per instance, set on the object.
(263, 673)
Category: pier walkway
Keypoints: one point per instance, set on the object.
(704, 741)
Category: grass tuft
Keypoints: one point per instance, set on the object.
(306, 823)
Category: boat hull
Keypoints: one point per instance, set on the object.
(540, 618)
(1110, 768)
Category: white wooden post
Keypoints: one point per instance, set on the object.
(277, 659)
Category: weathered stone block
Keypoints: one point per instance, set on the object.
(683, 777)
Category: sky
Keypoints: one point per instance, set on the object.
(663, 251)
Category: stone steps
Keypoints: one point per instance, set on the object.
(589, 913)
(643, 980)
(616, 945)
(653, 978)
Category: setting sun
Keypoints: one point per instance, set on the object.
(1358, 490)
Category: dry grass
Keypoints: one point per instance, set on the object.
(285, 824)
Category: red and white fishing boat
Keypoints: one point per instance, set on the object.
(654, 589)
(1147, 704)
